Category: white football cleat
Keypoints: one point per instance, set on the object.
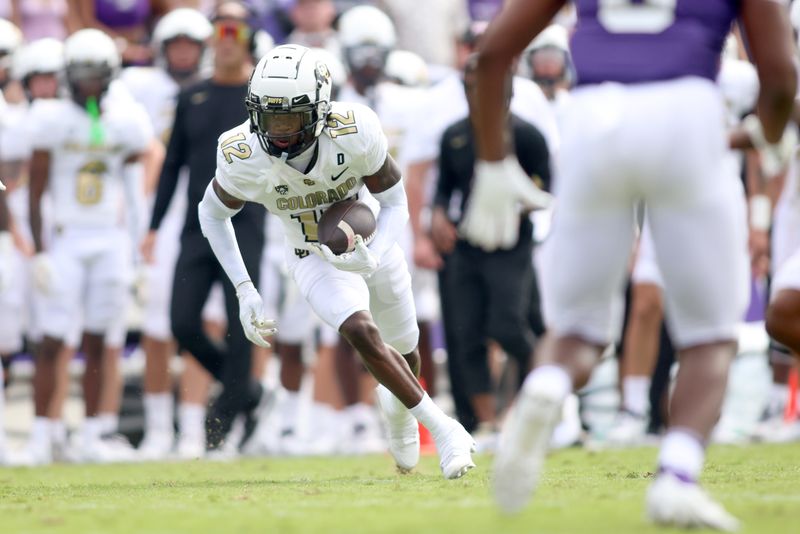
(524, 442)
(455, 450)
(403, 430)
(156, 445)
(673, 502)
(628, 430)
(190, 448)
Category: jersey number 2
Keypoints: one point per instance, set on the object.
(625, 16)
(240, 150)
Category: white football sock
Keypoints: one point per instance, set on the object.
(92, 429)
(396, 407)
(549, 377)
(158, 409)
(290, 407)
(109, 423)
(636, 394)
(432, 417)
(40, 431)
(682, 453)
(192, 420)
(58, 431)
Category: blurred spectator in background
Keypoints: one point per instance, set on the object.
(272, 16)
(432, 32)
(45, 18)
(313, 25)
(126, 22)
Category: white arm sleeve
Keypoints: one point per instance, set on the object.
(215, 222)
(392, 218)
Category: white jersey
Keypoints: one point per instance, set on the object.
(351, 146)
(85, 180)
(157, 92)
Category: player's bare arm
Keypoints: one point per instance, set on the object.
(508, 35)
(39, 171)
(229, 200)
(387, 176)
(770, 38)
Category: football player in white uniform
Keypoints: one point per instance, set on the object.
(298, 154)
(85, 149)
(179, 40)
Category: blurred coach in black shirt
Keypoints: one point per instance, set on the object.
(489, 293)
(203, 113)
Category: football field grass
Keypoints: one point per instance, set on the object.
(580, 492)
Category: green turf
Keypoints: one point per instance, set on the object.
(580, 492)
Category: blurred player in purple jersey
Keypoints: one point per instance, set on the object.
(646, 124)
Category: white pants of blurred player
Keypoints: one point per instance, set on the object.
(92, 274)
(15, 307)
(335, 295)
(664, 144)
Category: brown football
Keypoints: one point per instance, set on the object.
(340, 223)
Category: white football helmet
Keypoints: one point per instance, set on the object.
(288, 100)
(363, 25)
(42, 56)
(182, 22)
(10, 40)
(407, 68)
(92, 61)
(10, 37)
(367, 36)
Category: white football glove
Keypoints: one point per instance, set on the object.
(251, 314)
(2, 186)
(360, 261)
(6, 255)
(774, 157)
(43, 273)
(501, 190)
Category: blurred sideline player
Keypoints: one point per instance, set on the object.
(663, 103)
(301, 139)
(179, 40)
(85, 148)
(38, 67)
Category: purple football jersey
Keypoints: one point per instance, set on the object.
(634, 41)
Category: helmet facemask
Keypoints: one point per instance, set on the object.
(290, 130)
(286, 117)
(88, 80)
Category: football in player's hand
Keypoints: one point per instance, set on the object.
(342, 221)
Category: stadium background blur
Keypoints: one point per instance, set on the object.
(318, 410)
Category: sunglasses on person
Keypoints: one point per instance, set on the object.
(237, 30)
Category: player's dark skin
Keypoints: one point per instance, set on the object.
(395, 371)
(45, 370)
(701, 381)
